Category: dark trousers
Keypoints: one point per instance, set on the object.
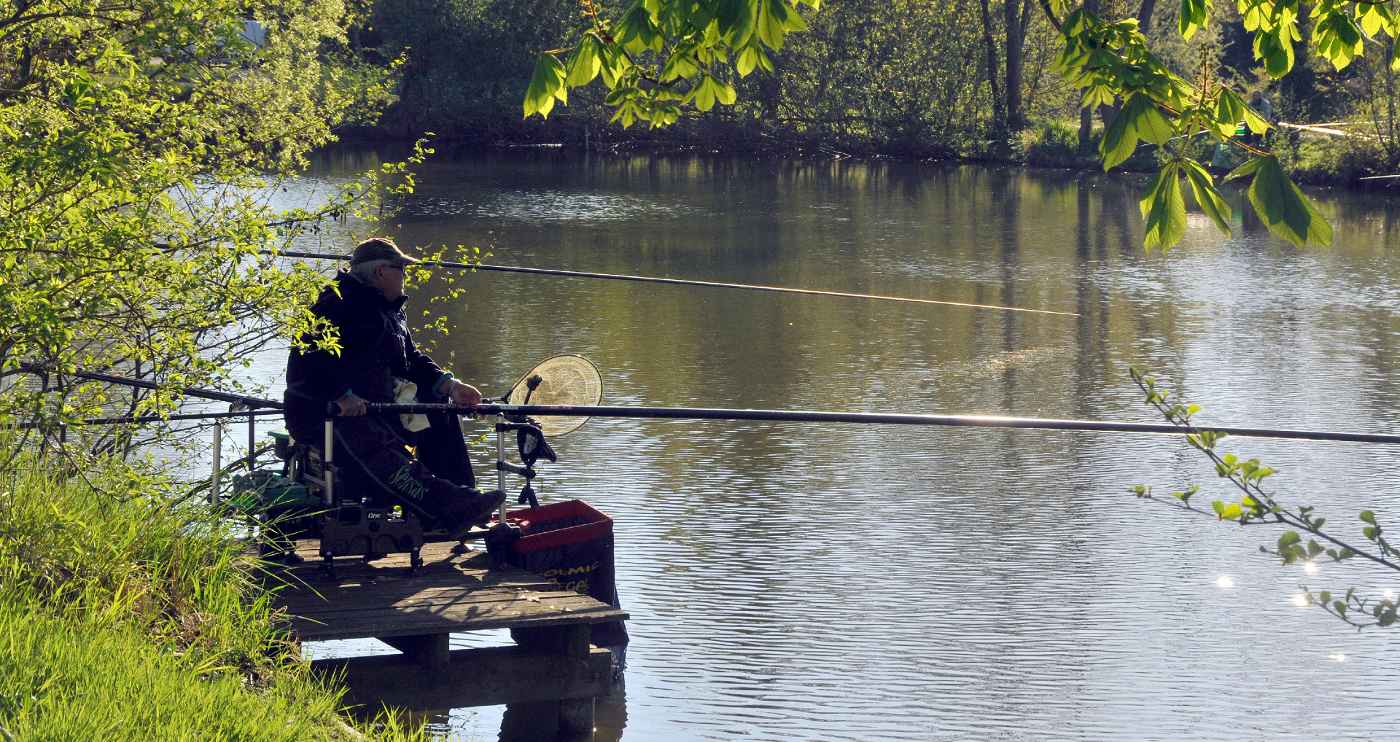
(373, 460)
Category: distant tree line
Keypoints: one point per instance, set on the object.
(904, 77)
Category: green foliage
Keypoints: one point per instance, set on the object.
(1331, 160)
(1139, 120)
(1056, 145)
(1164, 209)
(659, 58)
(134, 618)
(1281, 205)
(1257, 505)
(656, 57)
(141, 149)
(1193, 17)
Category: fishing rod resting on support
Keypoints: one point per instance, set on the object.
(556, 397)
(258, 406)
(877, 418)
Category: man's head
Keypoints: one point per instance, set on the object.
(378, 262)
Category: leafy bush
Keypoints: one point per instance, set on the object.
(1335, 160)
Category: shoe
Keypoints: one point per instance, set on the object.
(473, 508)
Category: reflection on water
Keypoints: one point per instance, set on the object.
(858, 582)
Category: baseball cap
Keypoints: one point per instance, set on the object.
(380, 248)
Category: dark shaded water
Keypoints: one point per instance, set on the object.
(861, 582)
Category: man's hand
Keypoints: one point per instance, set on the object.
(462, 394)
(351, 405)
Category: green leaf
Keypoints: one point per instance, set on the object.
(1282, 206)
(546, 85)
(1210, 201)
(1193, 16)
(737, 21)
(1249, 167)
(587, 61)
(771, 26)
(703, 94)
(725, 93)
(1275, 48)
(1095, 95)
(1138, 119)
(615, 64)
(1164, 209)
(680, 65)
(1372, 20)
(1289, 539)
(636, 32)
(1368, 516)
(748, 59)
(1338, 39)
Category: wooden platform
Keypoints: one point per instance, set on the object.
(552, 662)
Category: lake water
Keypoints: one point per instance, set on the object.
(803, 581)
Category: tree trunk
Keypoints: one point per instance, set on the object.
(988, 38)
(1144, 16)
(1086, 116)
(1016, 15)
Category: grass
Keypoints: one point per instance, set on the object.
(122, 616)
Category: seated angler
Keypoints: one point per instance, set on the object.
(377, 358)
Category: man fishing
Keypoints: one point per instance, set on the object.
(378, 362)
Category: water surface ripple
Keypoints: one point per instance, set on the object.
(850, 582)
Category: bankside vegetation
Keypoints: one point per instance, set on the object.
(123, 616)
(141, 145)
(659, 59)
(965, 78)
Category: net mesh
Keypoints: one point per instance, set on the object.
(564, 380)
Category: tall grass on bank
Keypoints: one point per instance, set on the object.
(122, 617)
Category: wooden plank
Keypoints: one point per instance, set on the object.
(307, 604)
(559, 607)
(388, 593)
(408, 622)
(450, 593)
(472, 677)
(571, 641)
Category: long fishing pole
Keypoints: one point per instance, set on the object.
(688, 282)
(140, 419)
(191, 391)
(815, 416)
(876, 418)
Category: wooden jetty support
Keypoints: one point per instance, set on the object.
(553, 666)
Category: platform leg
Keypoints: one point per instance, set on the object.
(428, 650)
(537, 720)
(576, 719)
(575, 714)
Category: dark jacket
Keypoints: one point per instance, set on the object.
(375, 347)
